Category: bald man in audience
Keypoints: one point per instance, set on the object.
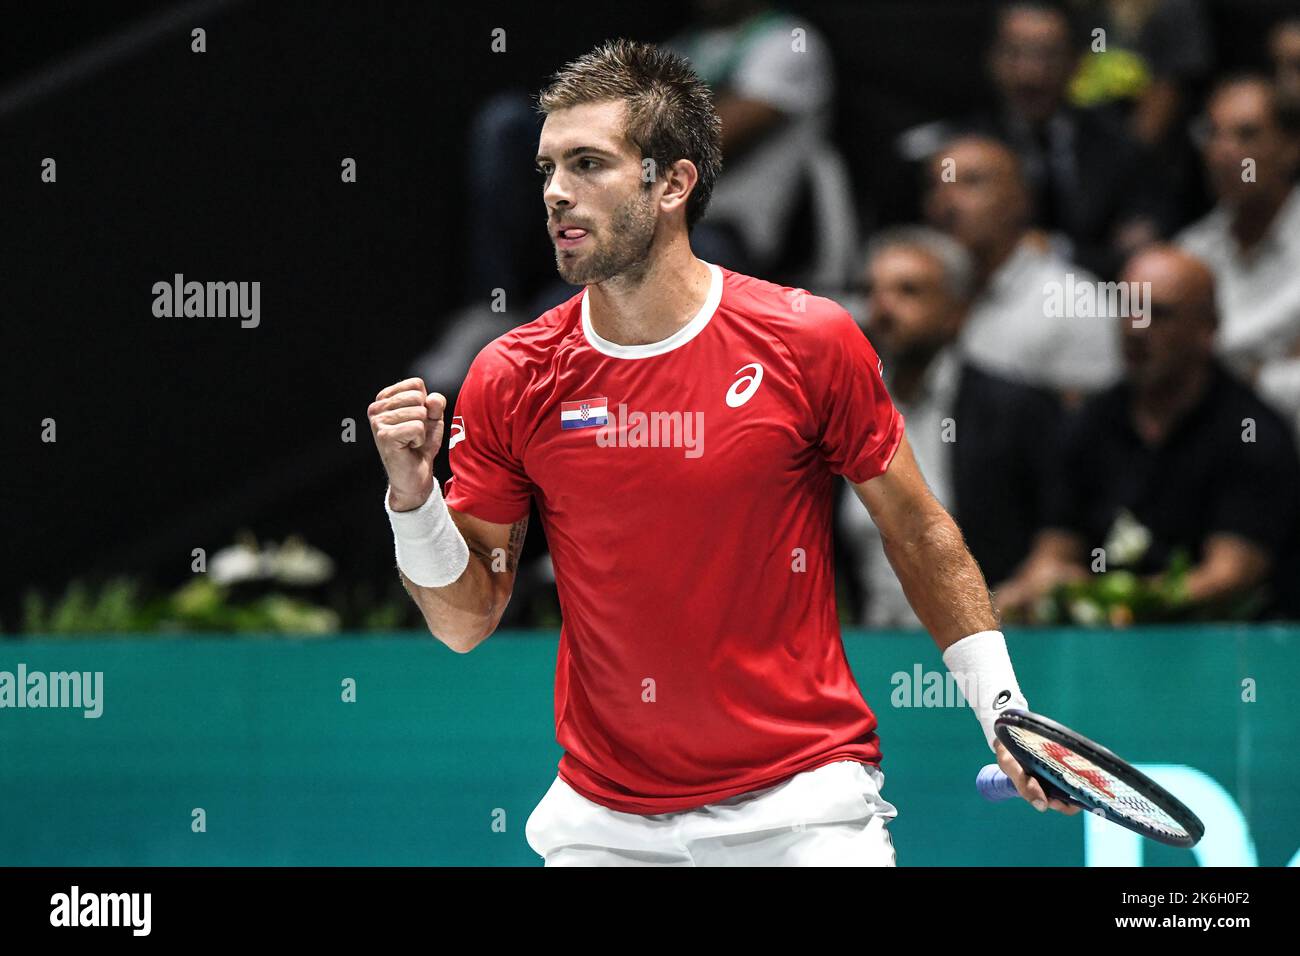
(1181, 455)
(978, 195)
(985, 442)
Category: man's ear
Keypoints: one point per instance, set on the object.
(679, 182)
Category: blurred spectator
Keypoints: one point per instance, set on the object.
(1251, 240)
(982, 442)
(1179, 456)
(773, 88)
(978, 195)
(1149, 60)
(1155, 52)
(1090, 181)
(1284, 50)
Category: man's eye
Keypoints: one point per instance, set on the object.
(541, 170)
(588, 163)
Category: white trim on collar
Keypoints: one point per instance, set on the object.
(679, 338)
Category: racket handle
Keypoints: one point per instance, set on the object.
(994, 784)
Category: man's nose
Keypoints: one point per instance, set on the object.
(556, 194)
(880, 314)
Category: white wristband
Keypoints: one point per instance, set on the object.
(429, 546)
(983, 670)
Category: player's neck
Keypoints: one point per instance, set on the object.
(649, 305)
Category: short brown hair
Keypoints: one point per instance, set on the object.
(670, 114)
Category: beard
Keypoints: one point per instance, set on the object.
(916, 350)
(630, 234)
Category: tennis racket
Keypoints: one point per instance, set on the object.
(1074, 769)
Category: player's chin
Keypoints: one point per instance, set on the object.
(568, 273)
(573, 269)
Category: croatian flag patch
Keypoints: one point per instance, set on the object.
(588, 413)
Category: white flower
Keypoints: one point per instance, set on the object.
(234, 564)
(1086, 612)
(295, 563)
(1128, 540)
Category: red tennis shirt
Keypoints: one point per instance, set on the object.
(686, 488)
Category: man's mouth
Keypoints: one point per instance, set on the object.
(568, 237)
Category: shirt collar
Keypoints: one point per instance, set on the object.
(679, 338)
(1284, 228)
(1010, 275)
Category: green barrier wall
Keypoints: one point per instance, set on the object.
(442, 756)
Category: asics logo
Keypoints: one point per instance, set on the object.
(743, 388)
(457, 432)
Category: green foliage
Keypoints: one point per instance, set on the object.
(253, 599)
(1120, 598)
(200, 605)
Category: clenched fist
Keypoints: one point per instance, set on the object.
(407, 424)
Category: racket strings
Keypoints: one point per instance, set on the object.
(1103, 786)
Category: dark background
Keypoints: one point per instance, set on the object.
(176, 433)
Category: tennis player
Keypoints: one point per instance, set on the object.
(681, 427)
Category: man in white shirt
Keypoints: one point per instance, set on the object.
(1251, 240)
(773, 87)
(1018, 326)
(986, 443)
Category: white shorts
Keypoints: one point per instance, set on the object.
(831, 816)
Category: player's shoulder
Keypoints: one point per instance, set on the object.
(519, 352)
(799, 318)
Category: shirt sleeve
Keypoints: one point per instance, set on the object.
(858, 427)
(488, 479)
